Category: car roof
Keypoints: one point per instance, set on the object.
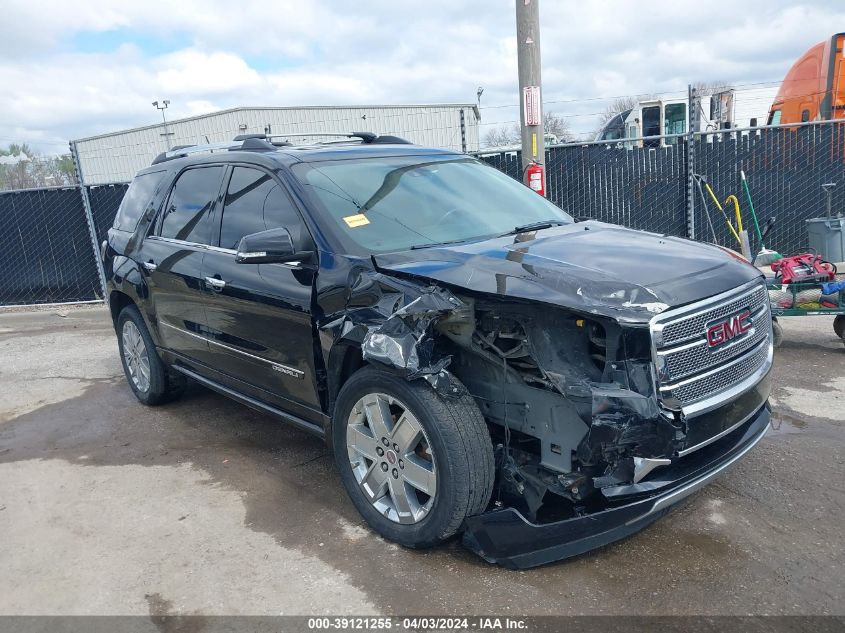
(275, 156)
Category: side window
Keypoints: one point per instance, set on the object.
(774, 117)
(805, 116)
(187, 214)
(255, 202)
(137, 197)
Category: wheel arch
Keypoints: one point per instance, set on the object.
(119, 299)
(344, 361)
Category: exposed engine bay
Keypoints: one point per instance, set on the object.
(570, 399)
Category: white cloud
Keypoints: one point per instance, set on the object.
(191, 72)
(288, 52)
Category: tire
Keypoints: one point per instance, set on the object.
(777, 334)
(450, 454)
(150, 381)
(839, 326)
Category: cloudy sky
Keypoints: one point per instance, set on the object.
(73, 69)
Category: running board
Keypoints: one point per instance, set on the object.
(305, 425)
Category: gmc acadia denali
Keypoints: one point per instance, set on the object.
(478, 362)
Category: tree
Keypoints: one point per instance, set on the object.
(502, 135)
(620, 105)
(510, 134)
(22, 167)
(557, 125)
(711, 87)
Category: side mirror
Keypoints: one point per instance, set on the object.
(267, 247)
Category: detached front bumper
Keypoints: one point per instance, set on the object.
(505, 537)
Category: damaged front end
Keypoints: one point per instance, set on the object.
(586, 451)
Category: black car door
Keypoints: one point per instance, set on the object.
(259, 315)
(172, 256)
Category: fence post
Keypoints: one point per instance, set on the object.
(463, 132)
(692, 114)
(89, 217)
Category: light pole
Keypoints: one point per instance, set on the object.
(163, 107)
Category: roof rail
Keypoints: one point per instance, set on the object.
(366, 137)
(180, 151)
(268, 142)
(246, 142)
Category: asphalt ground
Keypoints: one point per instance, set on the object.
(206, 507)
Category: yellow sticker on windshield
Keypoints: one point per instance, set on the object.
(358, 219)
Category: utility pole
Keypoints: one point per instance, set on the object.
(531, 105)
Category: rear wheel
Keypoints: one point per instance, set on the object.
(150, 380)
(414, 464)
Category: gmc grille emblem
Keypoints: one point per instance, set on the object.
(728, 329)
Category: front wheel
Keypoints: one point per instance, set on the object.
(414, 464)
(777, 334)
(839, 326)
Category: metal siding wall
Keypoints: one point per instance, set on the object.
(117, 157)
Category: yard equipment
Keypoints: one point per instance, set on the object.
(698, 178)
(804, 267)
(764, 255)
(721, 210)
(806, 285)
(744, 242)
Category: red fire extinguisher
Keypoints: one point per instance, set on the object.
(536, 178)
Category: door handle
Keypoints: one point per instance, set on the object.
(215, 284)
(150, 265)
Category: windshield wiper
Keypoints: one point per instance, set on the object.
(463, 239)
(534, 226)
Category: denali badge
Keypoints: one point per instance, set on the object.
(290, 371)
(728, 329)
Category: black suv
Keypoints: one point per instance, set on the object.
(477, 361)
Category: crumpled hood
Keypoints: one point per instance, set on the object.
(589, 266)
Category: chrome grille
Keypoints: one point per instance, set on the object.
(695, 357)
(695, 377)
(725, 377)
(693, 326)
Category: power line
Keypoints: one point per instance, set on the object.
(680, 93)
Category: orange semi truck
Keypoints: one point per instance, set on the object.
(814, 88)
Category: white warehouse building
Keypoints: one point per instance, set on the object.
(117, 156)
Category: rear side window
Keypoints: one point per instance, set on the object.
(256, 202)
(137, 199)
(187, 214)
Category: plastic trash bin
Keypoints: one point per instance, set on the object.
(827, 237)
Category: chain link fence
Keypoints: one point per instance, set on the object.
(652, 183)
(49, 236)
(620, 184)
(105, 200)
(785, 169)
(46, 255)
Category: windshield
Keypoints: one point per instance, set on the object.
(398, 202)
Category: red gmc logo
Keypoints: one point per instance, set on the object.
(729, 329)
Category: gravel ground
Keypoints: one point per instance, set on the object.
(206, 507)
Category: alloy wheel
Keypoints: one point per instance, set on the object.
(136, 356)
(391, 458)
